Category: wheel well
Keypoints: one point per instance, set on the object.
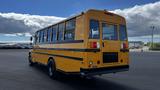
(50, 59)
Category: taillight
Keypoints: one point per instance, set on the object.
(94, 45)
(124, 46)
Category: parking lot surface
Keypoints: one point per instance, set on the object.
(16, 74)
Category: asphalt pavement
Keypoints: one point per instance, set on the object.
(16, 74)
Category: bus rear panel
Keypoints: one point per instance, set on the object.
(107, 37)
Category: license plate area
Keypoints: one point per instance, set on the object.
(110, 57)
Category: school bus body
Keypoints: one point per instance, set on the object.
(78, 55)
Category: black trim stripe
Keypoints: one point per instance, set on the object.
(71, 49)
(104, 70)
(97, 71)
(124, 50)
(63, 42)
(68, 73)
(70, 57)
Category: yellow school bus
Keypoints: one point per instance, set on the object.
(93, 42)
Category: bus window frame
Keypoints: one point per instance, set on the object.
(109, 23)
(45, 35)
(99, 25)
(36, 37)
(41, 36)
(54, 29)
(49, 34)
(125, 32)
(60, 31)
(70, 31)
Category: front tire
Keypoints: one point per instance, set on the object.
(31, 63)
(52, 72)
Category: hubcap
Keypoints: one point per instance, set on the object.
(50, 71)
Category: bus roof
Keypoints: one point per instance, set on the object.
(89, 10)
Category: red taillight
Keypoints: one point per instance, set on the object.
(125, 46)
(93, 44)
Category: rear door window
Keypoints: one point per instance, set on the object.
(94, 29)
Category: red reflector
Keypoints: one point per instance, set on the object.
(93, 44)
(89, 65)
(125, 46)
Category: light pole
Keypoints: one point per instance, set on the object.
(152, 28)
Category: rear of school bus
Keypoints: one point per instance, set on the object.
(107, 43)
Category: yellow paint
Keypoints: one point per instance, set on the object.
(82, 33)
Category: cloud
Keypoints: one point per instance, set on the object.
(24, 24)
(18, 34)
(141, 18)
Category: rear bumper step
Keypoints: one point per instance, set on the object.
(98, 71)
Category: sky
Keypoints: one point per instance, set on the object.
(21, 18)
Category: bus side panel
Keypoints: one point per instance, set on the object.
(40, 58)
(124, 58)
(79, 31)
(72, 65)
(67, 65)
(67, 61)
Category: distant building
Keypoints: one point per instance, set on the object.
(135, 44)
(15, 46)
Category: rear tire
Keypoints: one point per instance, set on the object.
(52, 72)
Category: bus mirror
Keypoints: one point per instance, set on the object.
(31, 38)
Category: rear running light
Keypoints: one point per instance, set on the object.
(124, 46)
(95, 45)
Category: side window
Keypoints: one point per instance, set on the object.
(54, 36)
(49, 32)
(109, 32)
(94, 29)
(45, 36)
(122, 32)
(37, 38)
(70, 29)
(41, 36)
(60, 31)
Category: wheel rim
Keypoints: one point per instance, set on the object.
(50, 70)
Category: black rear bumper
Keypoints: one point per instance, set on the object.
(98, 71)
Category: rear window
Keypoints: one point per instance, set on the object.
(122, 33)
(94, 29)
(109, 31)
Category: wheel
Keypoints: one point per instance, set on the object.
(52, 72)
(31, 63)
